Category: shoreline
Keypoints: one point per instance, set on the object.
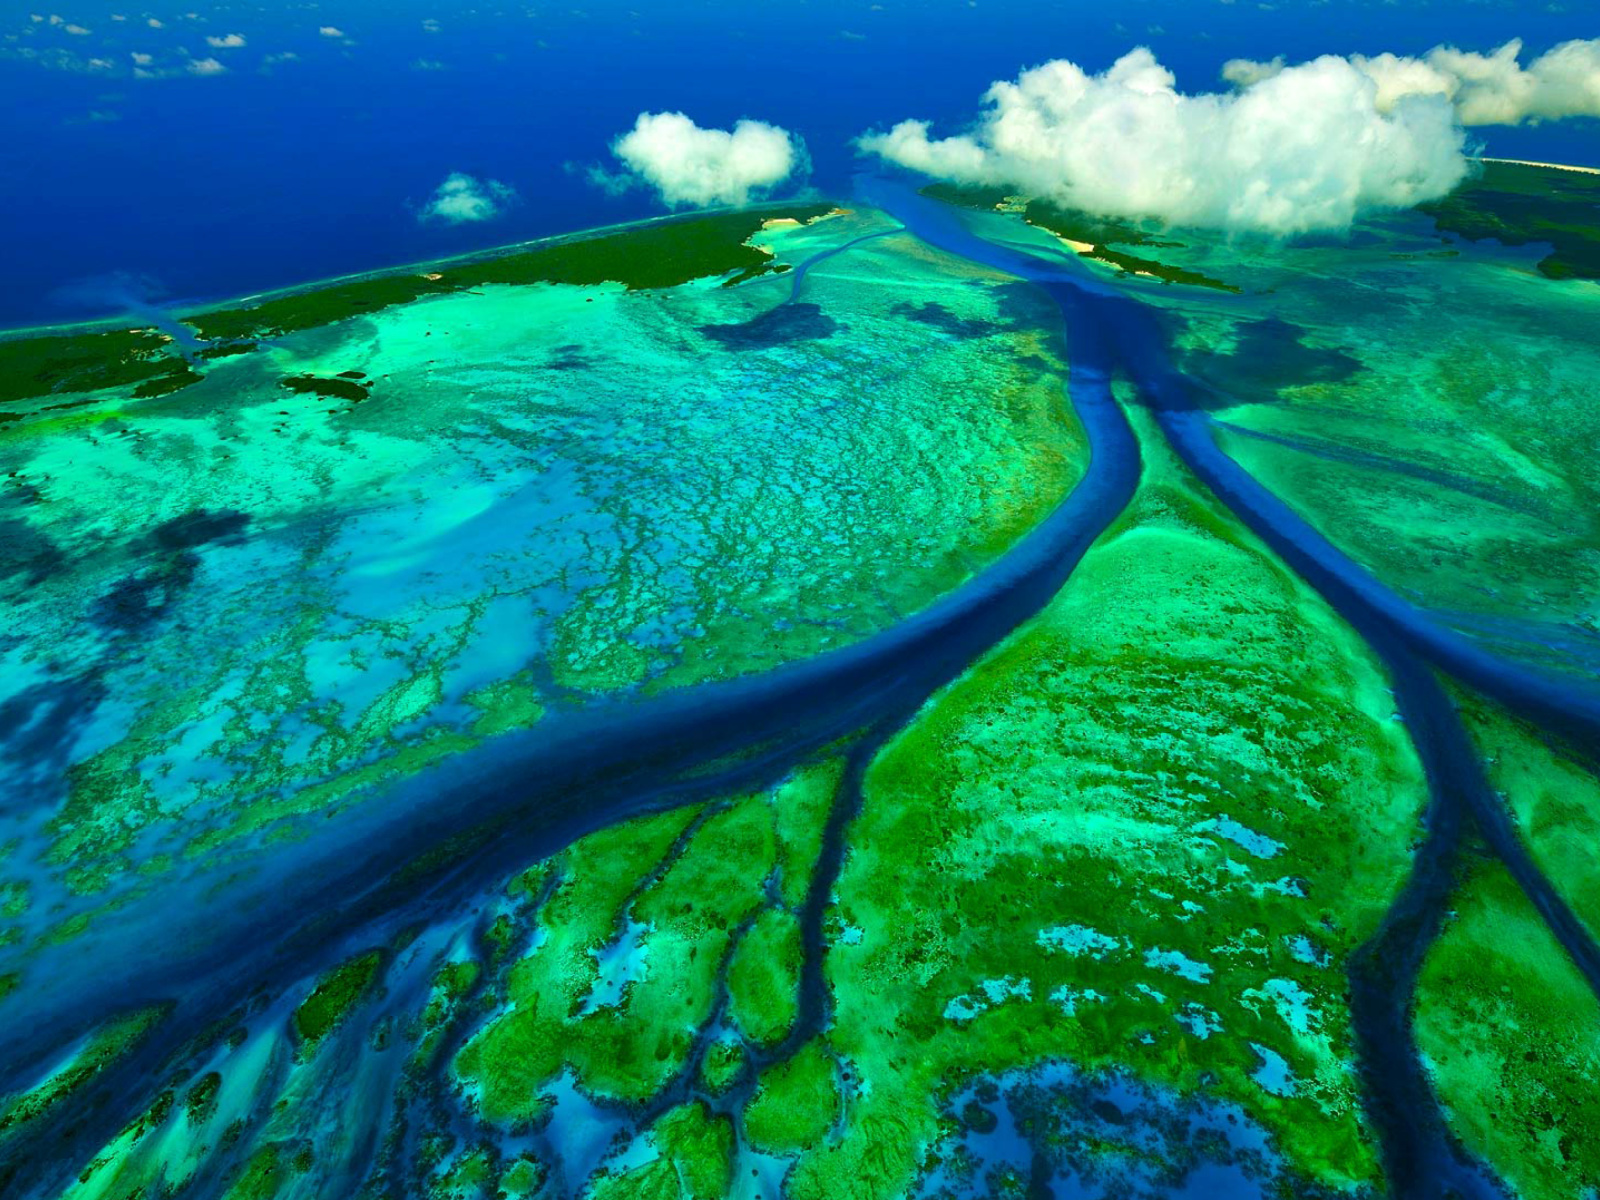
(420, 266)
(1524, 162)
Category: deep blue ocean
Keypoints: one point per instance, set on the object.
(193, 187)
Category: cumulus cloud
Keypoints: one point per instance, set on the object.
(228, 41)
(1303, 149)
(688, 165)
(331, 31)
(205, 66)
(462, 198)
(1245, 72)
(1486, 89)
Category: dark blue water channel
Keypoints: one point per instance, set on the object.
(524, 795)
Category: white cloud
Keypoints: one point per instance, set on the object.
(1243, 72)
(76, 30)
(205, 66)
(1486, 89)
(331, 31)
(142, 60)
(154, 23)
(1304, 149)
(693, 166)
(462, 198)
(230, 41)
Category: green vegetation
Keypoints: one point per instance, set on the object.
(800, 807)
(1511, 1034)
(1554, 794)
(764, 976)
(629, 1049)
(202, 1099)
(695, 1163)
(1518, 205)
(654, 256)
(797, 1104)
(335, 389)
(103, 1048)
(724, 1061)
(522, 1178)
(1075, 225)
(333, 998)
(84, 362)
(263, 1176)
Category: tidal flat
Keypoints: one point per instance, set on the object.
(845, 699)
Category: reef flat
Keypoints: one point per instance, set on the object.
(944, 719)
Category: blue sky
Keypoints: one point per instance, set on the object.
(310, 149)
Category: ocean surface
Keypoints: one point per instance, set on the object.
(274, 170)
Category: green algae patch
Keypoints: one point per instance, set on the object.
(104, 1047)
(699, 1144)
(695, 1161)
(226, 350)
(521, 1050)
(265, 1174)
(522, 1178)
(764, 978)
(724, 1062)
(1554, 795)
(201, 1101)
(509, 705)
(329, 389)
(1510, 1033)
(31, 367)
(691, 915)
(1518, 204)
(796, 1104)
(333, 998)
(663, 255)
(800, 806)
(648, 927)
(468, 1178)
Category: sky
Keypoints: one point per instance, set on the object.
(208, 151)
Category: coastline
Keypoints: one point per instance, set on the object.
(179, 312)
(420, 266)
(1523, 162)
